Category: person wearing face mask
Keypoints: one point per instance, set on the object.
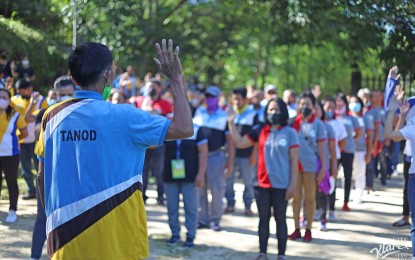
(91, 156)
(25, 70)
(63, 90)
(9, 149)
(364, 144)
(312, 162)
(324, 188)
(354, 132)
(154, 160)
(270, 92)
(374, 116)
(277, 170)
(212, 121)
(329, 106)
(20, 103)
(245, 120)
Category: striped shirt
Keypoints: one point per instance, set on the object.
(93, 154)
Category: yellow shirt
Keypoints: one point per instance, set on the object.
(20, 105)
(9, 144)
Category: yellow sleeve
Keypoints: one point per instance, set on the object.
(44, 104)
(35, 113)
(21, 123)
(40, 147)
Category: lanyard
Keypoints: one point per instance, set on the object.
(178, 143)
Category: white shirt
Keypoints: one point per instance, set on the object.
(340, 134)
(409, 133)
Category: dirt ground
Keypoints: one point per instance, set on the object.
(364, 233)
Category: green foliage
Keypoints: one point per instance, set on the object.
(290, 43)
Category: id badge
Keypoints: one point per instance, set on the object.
(177, 167)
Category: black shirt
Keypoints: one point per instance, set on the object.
(25, 72)
(188, 152)
(244, 123)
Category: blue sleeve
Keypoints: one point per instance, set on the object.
(356, 124)
(146, 129)
(321, 134)
(294, 142)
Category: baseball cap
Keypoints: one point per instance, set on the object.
(213, 90)
(270, 87)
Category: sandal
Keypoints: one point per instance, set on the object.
(400, 223)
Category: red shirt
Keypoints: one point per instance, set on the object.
(163, 106)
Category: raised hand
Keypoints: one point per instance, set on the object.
(231, 114)
(9, 83)
(168, 61)
(34, 98)
(404, 107)
(393, 73)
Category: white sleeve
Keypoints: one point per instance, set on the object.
(409, 133)
(341, 131)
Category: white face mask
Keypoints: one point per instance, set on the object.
(4, 103)
(25, 62)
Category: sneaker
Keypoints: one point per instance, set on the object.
(357, 201)
(249, 213)
(295, 235)
(345, 207)
(189, 243)
(281, 257)
(307, 236)
(230, 209)
(303, 222)
(323, 225)
(317, 215)
(215, 227)
(173, 240)
(332, 217)
(11, 217)
(262, 256)
(202, 226)
(29, 196)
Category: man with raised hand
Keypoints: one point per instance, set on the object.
(91, 159)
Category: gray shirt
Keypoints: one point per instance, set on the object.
(367, 125)
(374, 116)
(331, 136)
(351, 125)
(309, 135)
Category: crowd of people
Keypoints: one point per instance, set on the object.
(282, 148)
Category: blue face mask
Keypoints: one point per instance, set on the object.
(355, 107)
(329, 115)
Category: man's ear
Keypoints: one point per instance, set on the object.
(74, 81)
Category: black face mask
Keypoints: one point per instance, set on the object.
(274, 119)
(305, 111)
(152, 93)
(4, 57)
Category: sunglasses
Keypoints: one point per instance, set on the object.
(272, 92)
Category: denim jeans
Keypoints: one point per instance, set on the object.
(154, 161)
(247, 173)
(411, 198)
(27, 153)
(189, 195)
(39, 231)
(382, 159)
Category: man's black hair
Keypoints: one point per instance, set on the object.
(157, 82)
(87, 62)
(240, 91)
(63, 81)
(23, 84)
(283, 110)
(308, 94)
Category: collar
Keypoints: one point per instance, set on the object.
(239, 112)
(88, 94)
